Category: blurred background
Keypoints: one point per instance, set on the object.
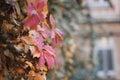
(91, 46)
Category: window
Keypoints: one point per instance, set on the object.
(105, 60)
(104, 57)
(99, 4)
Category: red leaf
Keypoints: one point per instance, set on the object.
(49, 50)
(54, 42)
(34, 14)
(32, 21)
(57, 37)
(43, 31)
(37, 38)
(40, 5)
(41, 60)
(50, 60)
(36, 9)
(41, 16)
(31, 10)
(32, 2)
(59, 33)
(52, 34)
(48, 56)
(45, 58)
(52, 21)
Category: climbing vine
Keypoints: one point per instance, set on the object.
(28, 37)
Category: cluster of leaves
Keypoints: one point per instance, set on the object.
(42, 28)
(28, 37)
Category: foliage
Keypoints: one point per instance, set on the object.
(28, 37)
(75, 25)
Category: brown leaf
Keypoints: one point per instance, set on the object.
(1, 76)
(22, 47)
(15, 41)
(38, 77)
(3, 45)
(18, 11)
(6, 27)
(9, 54)
(31, 75)
(30, 65)
(34, 76)
(20, 71)
(43, 71)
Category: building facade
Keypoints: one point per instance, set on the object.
(106, 48)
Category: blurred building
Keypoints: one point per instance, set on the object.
(106, 47)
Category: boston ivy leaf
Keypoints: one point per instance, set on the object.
(48, 56)
(41, 60)
(52, 21)
(49, 50)
(35, 15)
(57, 37)
(32, 21)
(49, 60)
(37, 38)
